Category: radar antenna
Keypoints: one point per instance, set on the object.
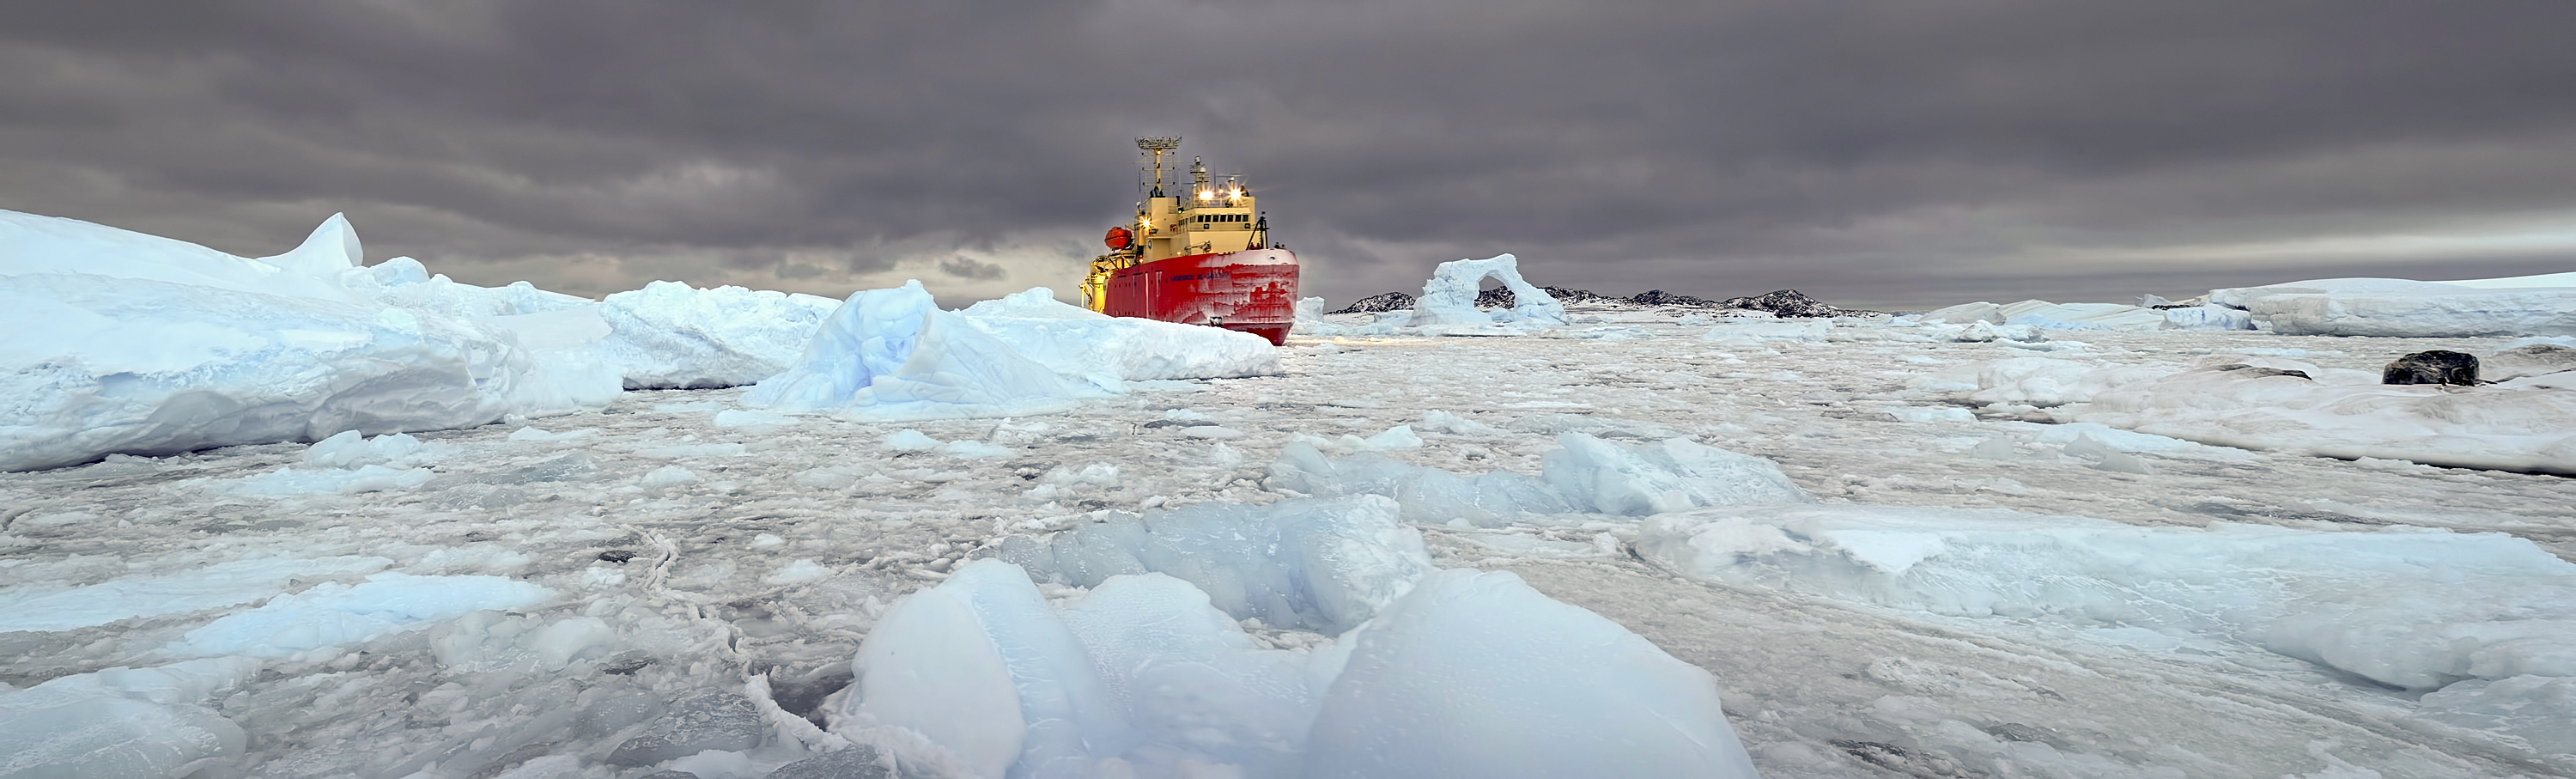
(1154, 149)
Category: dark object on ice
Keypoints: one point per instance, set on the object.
(2256, 371)
(670, 775)
(709, 720)
(804, 696)
(857, 761)
(626, 667)
(1899, 759)
(2015, 731)
(1391, 301)
(2434, 367)
(618, 556)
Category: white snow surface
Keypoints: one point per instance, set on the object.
(2406, 607)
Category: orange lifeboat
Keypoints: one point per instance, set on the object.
(1118, 238)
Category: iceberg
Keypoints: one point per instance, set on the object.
(119, 342)
(1448, 302)
(889, 354)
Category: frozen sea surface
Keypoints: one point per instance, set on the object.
(672, 583)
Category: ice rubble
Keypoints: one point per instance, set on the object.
(1583, 475)
(672, 335)
(123, 342)
(2407, 607)
(2523, 424)
(1079, 342)
(889, 354)
(1142, 676)
(122, 721)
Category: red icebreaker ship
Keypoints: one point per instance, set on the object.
(1196, 257)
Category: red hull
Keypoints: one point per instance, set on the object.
(1254, 291)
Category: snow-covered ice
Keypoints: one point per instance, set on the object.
(1857, 548)
(2523, 306)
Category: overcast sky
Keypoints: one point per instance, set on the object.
(1896, 154)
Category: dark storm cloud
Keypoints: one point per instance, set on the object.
(1865, 152)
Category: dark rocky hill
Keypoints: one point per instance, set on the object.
(1391, 301)
(1784, 303)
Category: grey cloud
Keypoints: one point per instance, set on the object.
(1873, 152)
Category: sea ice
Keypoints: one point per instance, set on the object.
(2525, 424)
(2408, 309)
(122, 721)
(334, 614)
(2405, 606)
(1318, 564)
(1583, 475)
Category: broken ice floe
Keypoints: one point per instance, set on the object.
(123, 721)
(1141, 676)
(1313, 563)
